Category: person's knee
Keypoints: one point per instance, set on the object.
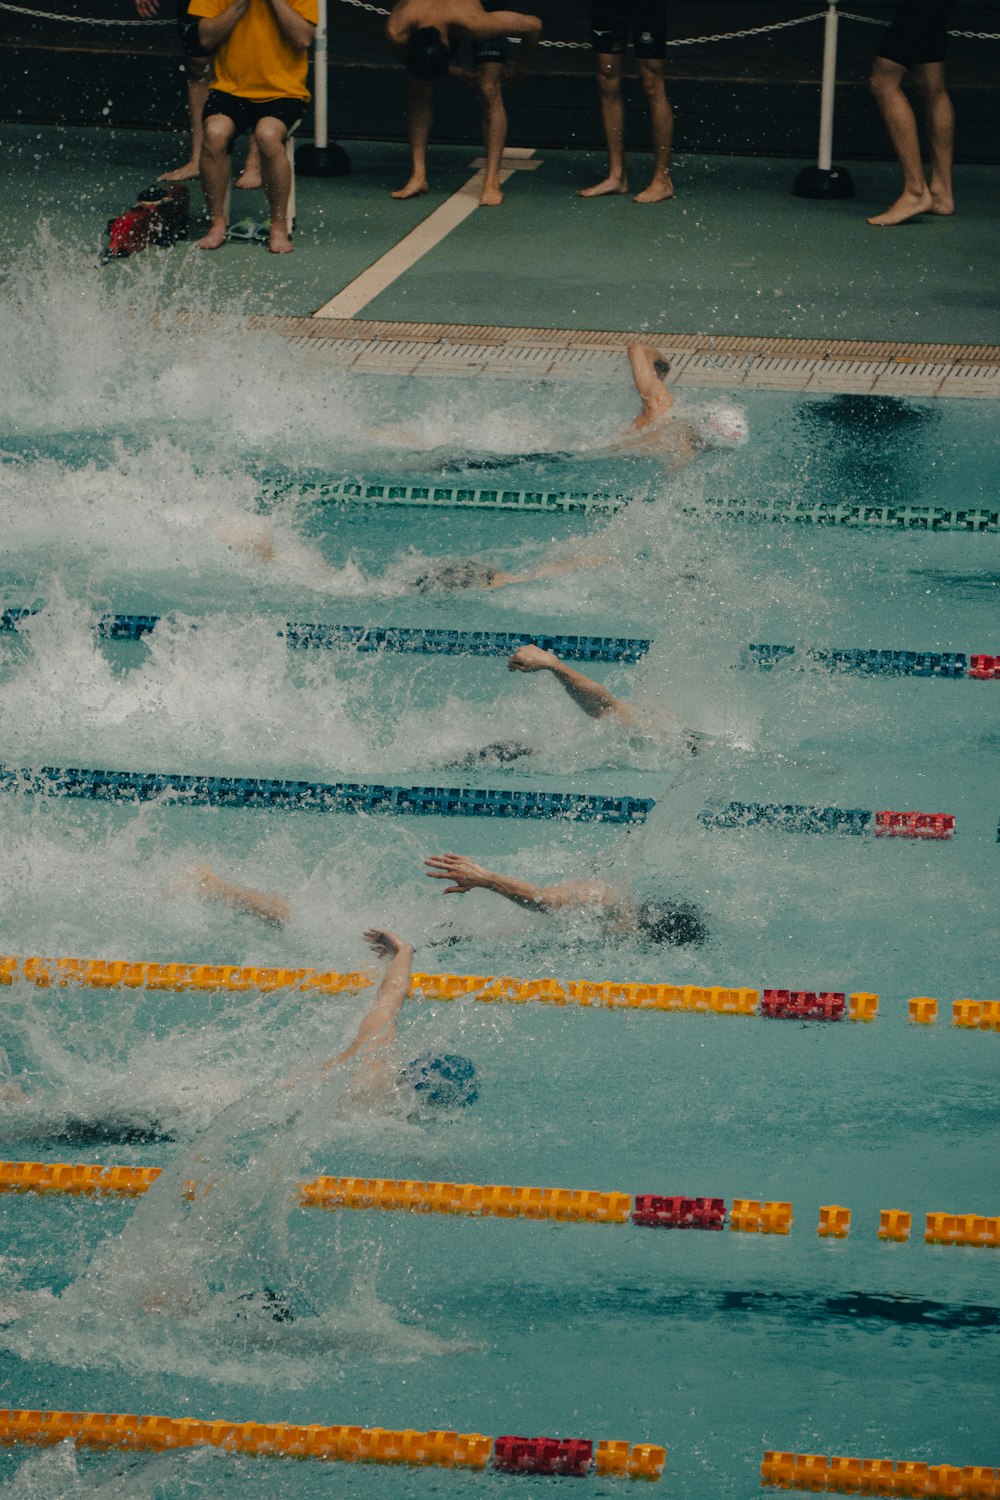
(883, 82)
(489, 83)
(651, 78)
(609, 83)
(219, 134)
(270, 136)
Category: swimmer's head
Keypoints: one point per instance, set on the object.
(427, 55)
(673, 922)
(724, 427)
(465, 574)
(442, 1081)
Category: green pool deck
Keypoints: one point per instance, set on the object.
(734, 255)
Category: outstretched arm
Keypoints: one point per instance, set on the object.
(378, 1028)
(466, 876)
(587, 694)
(269, 906)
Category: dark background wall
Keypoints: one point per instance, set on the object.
(754, 95)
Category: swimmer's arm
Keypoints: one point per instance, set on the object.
(467, 876)
(378, 1029)
(656, 399)
(269, 906)
(296, 30)
(549, 570)
(587, 694)
(483, 25)
(215, 29)
(396, 436)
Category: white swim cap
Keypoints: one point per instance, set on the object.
(725, 427)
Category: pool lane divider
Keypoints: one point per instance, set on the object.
(877, 1476)
(314, 796)
(796, 818)
(391, 638)
(374, 490)
(611, 994)
(500, 1201)
(120, 1431)
(872, 662)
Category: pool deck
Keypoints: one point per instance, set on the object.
(744, 283)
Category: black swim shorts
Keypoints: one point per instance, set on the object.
(918, 34)
(612, 21)
(492, 49)
(246, 113)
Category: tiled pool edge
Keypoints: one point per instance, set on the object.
(820, 365)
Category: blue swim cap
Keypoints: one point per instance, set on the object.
(442, 1080)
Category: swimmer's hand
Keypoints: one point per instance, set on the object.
(467, 875)
(384, 943)
(533, 659)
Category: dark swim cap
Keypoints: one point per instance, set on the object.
(442, 1080)
(427, 56)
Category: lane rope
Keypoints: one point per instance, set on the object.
(877, 1476)
(796, 818)
(171, 788)
(124, 627)
(120, 1431)
(877, 662)
(826, 1005)
(500, 1201)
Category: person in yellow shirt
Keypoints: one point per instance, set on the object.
(259, 85)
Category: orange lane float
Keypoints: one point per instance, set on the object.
(372, 1445)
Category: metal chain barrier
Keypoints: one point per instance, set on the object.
(380, 10)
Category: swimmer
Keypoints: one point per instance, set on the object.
(466, 573)
(202, 880)
(673, 922)
(657, 429)
(439, 1081)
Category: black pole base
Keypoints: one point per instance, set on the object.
(322, 161)
(816, 182)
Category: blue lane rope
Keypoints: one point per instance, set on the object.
(789, 817)
(816, 512)
(385, 492)
(395, 638)
(314, 796)
(872, 663)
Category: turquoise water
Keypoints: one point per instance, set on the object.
(133, 457)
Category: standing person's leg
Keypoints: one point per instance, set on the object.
(609, 90)
(420, 115)
(271, 133)
(199, 75)
(901, 124)
(939, 114)
(217, 143)
(489, 85)
(661, 119)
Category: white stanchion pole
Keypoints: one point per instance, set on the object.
(321, 159)
(824, 180)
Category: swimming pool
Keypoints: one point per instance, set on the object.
(127, 452)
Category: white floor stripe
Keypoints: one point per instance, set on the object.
(414, 246)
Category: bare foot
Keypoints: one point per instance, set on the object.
(604, 188)
(491, 195)
(187, 173)
(941, 203)
(215, 238)
(907, 206)
(248, 179)
(659, 190)
(279, 241)
(413, 189)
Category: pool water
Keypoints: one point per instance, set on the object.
(139, 466)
